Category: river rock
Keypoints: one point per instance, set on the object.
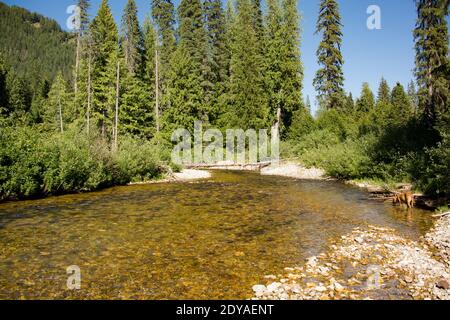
(273, 286)
(312, 262)
(259, 288)
(443, 284)
(338, 287)
(359, 240)
(320, 289)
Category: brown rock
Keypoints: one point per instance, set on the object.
(443, 284)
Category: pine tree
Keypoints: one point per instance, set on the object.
(274, 59)
(185, 80)
(19, 96)
(216, 58)
(257, 18)
(402, 109)
(302, 124)
(247, 100)
(83, 6)
(137, 93)
(106, 53)
(384, 93)
(151, 72)
(329, 80)
(57, 111)
(308, 105)
(366, 101)
(413, 97)
(283, 70)
(292, 69)
(39, 99)
(132, 39)
(163, 14)
(3, 88)
(349, 104)
(432, 59)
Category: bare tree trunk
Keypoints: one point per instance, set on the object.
(275, 136)
(157, 90)
(60, 113)
(88, 113)
(77, 63)
(116, 122)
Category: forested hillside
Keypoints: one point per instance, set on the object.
(34, 46)
(237, 66)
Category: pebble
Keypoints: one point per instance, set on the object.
(443, 284)
(394, 260)
(259, 288)
(273, 286)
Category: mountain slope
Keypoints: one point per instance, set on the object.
(33, 45)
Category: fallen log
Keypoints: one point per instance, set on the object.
(441, 215)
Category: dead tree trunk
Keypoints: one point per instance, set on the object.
(60, 113)
(116, 118)
(157, 90)
(88, 112)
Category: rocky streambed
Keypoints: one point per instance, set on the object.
(369, 263)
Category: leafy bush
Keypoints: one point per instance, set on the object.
(35, 163)
(139, 160)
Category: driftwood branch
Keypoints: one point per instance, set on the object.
(441, 215)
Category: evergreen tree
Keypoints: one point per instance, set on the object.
(150, 60)
(3, 88)
(302, 124)
(105, 48)
(163, 14)
(57, 111)
(39, 100)
(83, 6)
(366, 101)
(402, 109)
(247, 100)
(384, 93)
(19, 96)
(136, 114)
(216, 57)
(413, 97)
(349, 104)
(308, 104)
(257, 18)
(274, 59)
(283, 70)
(329, 80)
(34, 46)
(292, 68)
(432, 59)
(185, 80)
(132, 39)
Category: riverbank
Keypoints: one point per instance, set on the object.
(369, 263)
(378, 189)
(182, 176)
(294, 170)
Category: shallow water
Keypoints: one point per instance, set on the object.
(211, 239)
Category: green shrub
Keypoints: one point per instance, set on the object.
(138, 160)
(35, 163)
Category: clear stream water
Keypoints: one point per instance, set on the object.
(210, 239)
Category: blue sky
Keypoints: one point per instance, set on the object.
(368, 54)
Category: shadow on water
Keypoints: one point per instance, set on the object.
(209, 239)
